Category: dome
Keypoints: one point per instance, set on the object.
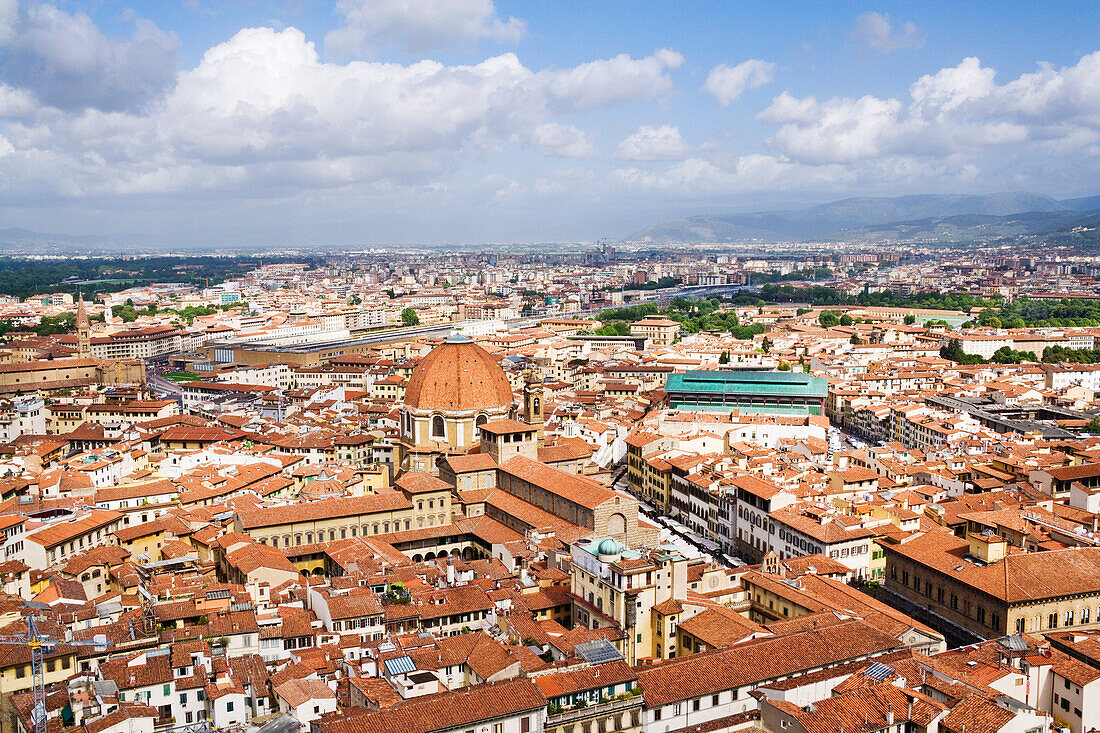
(458, 375)
(609, 546)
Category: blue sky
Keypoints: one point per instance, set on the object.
(388, 121)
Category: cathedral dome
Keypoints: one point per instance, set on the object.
(458, 376)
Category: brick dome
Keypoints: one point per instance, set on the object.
(458, 376)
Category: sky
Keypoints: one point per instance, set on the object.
(372, 122)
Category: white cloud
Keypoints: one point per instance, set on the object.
(566, 141)
(418, 25)
(609, 82)
(874, 32)
(262, 109)
(959, 109)
(66, 62)
(728, 83)
(652, 143)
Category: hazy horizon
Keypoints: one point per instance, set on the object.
(468, 121)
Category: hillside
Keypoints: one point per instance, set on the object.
(851, 218)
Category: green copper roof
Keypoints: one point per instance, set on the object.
(785, 384)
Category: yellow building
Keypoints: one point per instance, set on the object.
(661, 331)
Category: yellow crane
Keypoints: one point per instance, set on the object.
(39, 644)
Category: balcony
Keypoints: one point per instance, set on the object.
(613, 706)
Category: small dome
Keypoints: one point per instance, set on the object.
(458, 375)
(609, 546)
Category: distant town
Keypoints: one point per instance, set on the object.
(613, 489)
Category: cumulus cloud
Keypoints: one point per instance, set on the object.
(418, 25)
(608, 82)
(566, 141)
(66, 62)
(728, 83)
(957, 110)
(652, 143)
(263, 109)
(874, 32)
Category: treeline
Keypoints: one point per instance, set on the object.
(21, 277)
(822, 295)
(1065, 313)
(694, 316)
(1006, 355)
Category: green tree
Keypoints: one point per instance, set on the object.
(724, 358)
(784, 367)
(828, 319)
(1094, 425)
(910, 319)
(846, 320)
(409, 317)
(766, 345)
(855, 340)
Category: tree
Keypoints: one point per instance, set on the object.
(802, 311)
(784, 367)
(355, 300)
(127, 313)
(828, 319)
(409, 317)
(855, 340)
(846, 320)
(766, 345)
(910, 319)
(1094, 425)
(724, 358)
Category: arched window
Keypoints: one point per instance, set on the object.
(536, 404)
(439, 428)
(481, 420)
(274, 541)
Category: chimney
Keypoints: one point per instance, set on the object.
(450, 570)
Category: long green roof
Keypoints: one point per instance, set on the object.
(787, 384)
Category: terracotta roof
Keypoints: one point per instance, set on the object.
(446, 710)
(458, 375)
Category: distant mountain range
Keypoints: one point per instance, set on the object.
(922, 217)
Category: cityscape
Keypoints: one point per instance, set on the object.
(345, 389)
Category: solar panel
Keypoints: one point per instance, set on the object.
(878, 671)
(599, 651)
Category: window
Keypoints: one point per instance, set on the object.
(657, 714)
(525, 725)
(229, 706)
(498, 727)
(439, 431)
(167, 690)
(696, 704)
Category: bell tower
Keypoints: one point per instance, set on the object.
(83, 330)
(532, 402)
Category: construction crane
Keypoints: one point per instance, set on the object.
(40, 644)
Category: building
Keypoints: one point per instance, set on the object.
(981, 585)
(453, 391)
(748, 391)
(660, 331)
